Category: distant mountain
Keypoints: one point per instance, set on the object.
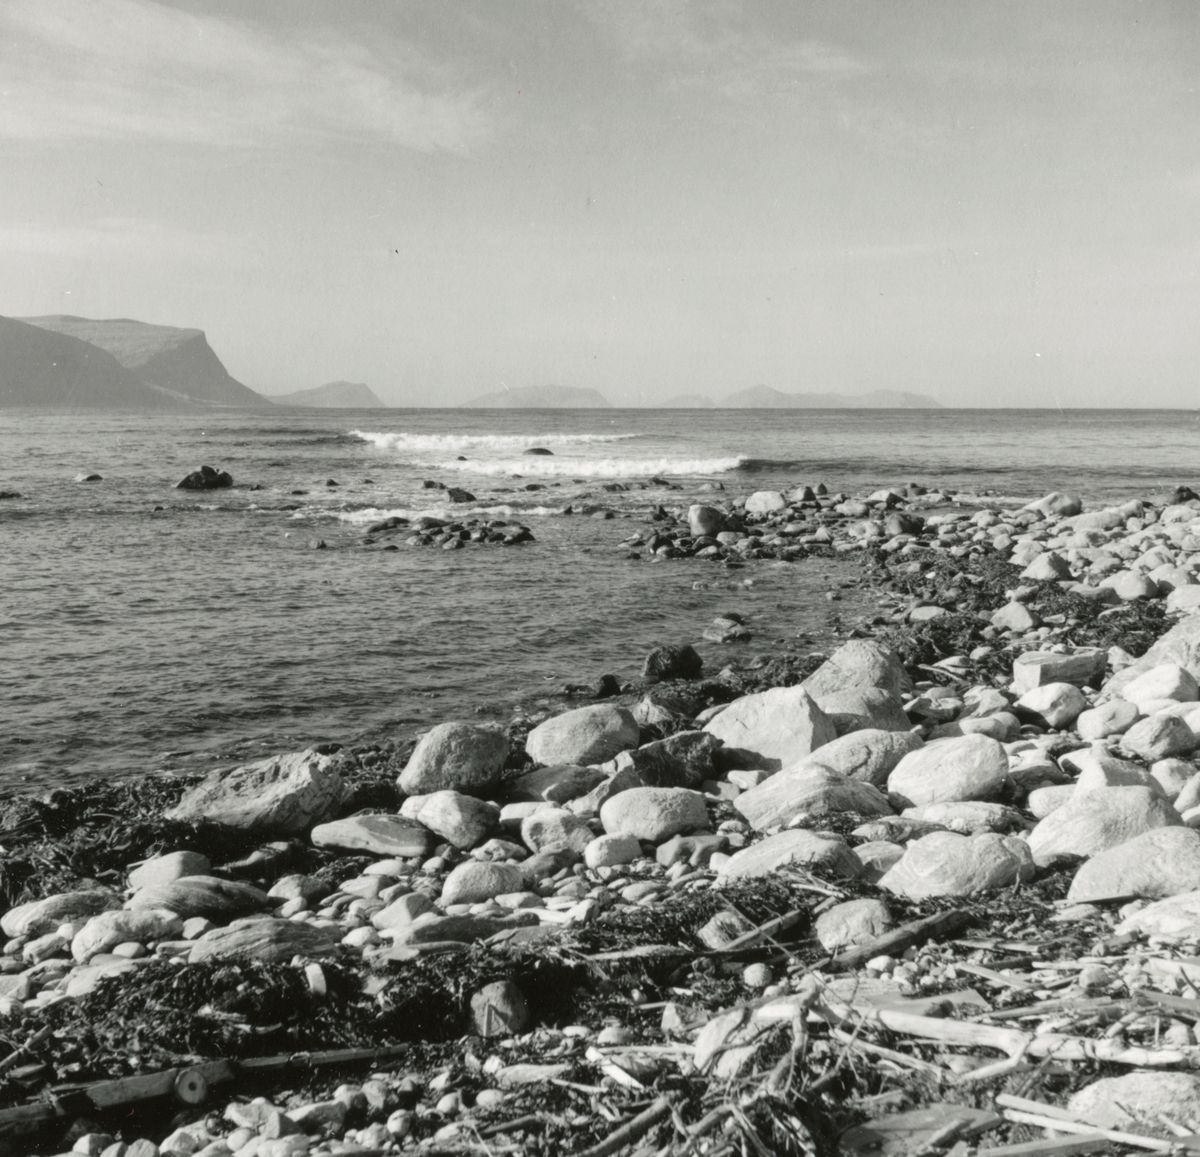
(542, 398)
(765, 398)
(332, 395)
(41, 368)
(686, 402)
(179, 360)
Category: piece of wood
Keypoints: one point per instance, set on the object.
(1082, 1006)
(939, 925)
(146, 1086)
(309, 1060)
(1051, 1147)
(1027, 1105)
(995, 977)
(768, 930)
(874, 1050)
(1135, 1139)
(191, 1087)
(21, 1050)
(632, 1131)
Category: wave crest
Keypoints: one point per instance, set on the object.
(440, 443)
(595, 467)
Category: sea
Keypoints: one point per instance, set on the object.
(143, 627)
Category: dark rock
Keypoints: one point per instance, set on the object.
(538, 450)
(429, 484)
(9, 494)
(674, 661)
(88, 478)
(456, 494)
(1183, 494)
(206, 478)
(726, 629)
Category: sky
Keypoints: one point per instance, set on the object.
(994, 203)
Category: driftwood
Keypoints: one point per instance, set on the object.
(635, 1129)
(941, 924)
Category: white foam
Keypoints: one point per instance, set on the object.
(594, 467)
(452, 514)
(441, 443)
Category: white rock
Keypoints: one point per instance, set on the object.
(1090, 823)
(1055, 705)
(791, 847)
(654, 813)
(455, 757)
(610, 851)
(807, 791)
(474, 881)
(973, 767)
(1158, 863)
(946, 864)
(1166, 681)
(1158, 737)
(773, 728)
(103, 932)
(1136, 1102)
(166, 869)
(852, 923)
(1112, 718)
(587, 735)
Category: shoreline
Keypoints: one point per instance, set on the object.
(643, 924)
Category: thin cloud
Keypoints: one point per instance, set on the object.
(121, 238)
(133, 70)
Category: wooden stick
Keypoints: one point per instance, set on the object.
(632, 1131)
(1051, 1147)
(940, 924)
(1135, 1139)
(994, 977)
(890, 1055)
(765, 932)
(9, 1061)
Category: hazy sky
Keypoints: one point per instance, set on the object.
(997, 203)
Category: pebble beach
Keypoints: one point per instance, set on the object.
(935, 889)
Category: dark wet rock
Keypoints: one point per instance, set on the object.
(685, 759)
(674, 661)
(9, 494)
(89, 478)
(206, 478)
(538, 450)
(457, 494)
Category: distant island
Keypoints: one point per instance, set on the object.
(332, 396)
(686, 402)
(177, 361)
(541, 398)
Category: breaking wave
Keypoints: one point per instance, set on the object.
(450, 513)
(441, 443)
(595, 467)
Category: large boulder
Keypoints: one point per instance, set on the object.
(380, 834)
(206, 478)
(1180, 646)
(266, 940)
(807, 791)
(285, 793)
(209, 896)
(947, 864)
(969, 767)
(1159, 737)
(685, 759)
(765, 502)
(857, 664)
(706, 521)
(868, 755)
(1090, 823)
(673, 661)
(1166, 681)
(455, 757)
(41, 916)
(584, 736)
(773, 729)
(1159, 863)
(795, 846)
(654, 813)
(121, 926)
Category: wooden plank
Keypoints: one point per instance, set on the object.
(307, 1060)
(1052, 1147)
(126, 1090)
(939, 925)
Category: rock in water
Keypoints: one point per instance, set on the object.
(206, 478)
(970, 767)
(673, 662)
(773, 729)
(1158, 863)
(455, 494)
(455, 757)
(807, 791)
(706, 521)
(381, 835)
(285, 793)
(587, 735)
(654, 813)
(1102, 819)
(207, 896)
(267, 940)
(946, 864)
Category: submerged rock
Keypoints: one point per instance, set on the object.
(206, 478)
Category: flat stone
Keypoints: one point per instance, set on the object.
(474, 881)
(968, 817)
(455, 757)
(611, 851)
(947, 864)
(1158, 863)
(209, 896)
(1088, 824)
(1112, 718)
(285, 793)
(654, 813)
(267, 940)
(430, 928)
(868, 755)
(807, 849)
(557, 784)
(587, 735)
(973, 767)
(772, 729)
(380, 834)
(105, 931)
(46, 915)
(807, 791)
(165, 869)
(1035, 668)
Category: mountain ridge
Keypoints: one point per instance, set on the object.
(541, 398)
(332, 395)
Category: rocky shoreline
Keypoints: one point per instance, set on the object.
(936, 892)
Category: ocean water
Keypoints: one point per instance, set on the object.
(143, 626)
